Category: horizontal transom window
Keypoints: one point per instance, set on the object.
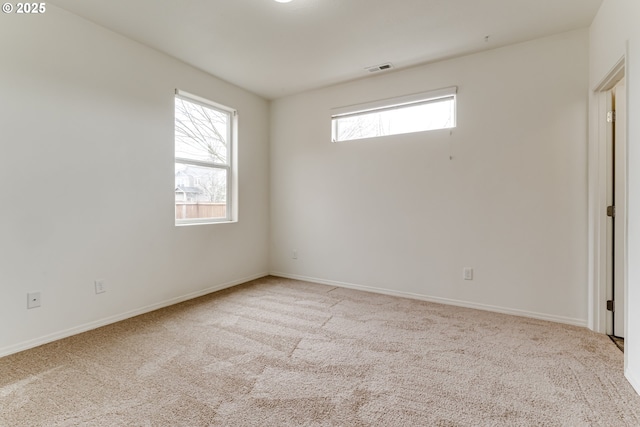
(413, 113)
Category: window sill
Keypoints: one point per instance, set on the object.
(205, 222)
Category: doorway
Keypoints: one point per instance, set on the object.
(616, 207)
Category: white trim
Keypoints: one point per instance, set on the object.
(383, 103)
(598, 317)
(206, 102)
(201, 163)
(25, 345)
(635, 382)
(401, 103)
(203, 221)
(439, 300)
(612, 78)
(229, 167)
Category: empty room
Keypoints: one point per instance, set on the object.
(320, 213)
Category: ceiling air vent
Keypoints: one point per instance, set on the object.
(380, 67)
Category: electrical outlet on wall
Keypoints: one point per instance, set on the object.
(100, 285)
(33, 299)
(467, 273)
(294, 254)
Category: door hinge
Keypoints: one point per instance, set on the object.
(611, 211)
(610, 305)
(611, 116)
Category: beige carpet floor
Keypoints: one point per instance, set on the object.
(278, 352)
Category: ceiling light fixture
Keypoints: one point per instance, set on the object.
(283, 1)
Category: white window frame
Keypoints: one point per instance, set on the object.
(400, 102)
(229, 167)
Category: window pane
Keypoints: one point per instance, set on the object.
(201, 193)
(438, 114)
(201, 133)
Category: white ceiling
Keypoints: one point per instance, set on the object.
(276, 49)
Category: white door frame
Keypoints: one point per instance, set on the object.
(621, 221)
(597, 183)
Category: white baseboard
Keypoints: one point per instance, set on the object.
(458, 303)
(25, 345)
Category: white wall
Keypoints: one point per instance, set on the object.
(615, 33)
(397, 215)
(86, 124)
(86, 119)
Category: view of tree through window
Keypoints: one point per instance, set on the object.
(394, 118)
(202, 161)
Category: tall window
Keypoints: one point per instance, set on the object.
(203, 160)
(414, 113)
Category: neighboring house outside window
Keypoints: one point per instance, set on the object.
(204, 150)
